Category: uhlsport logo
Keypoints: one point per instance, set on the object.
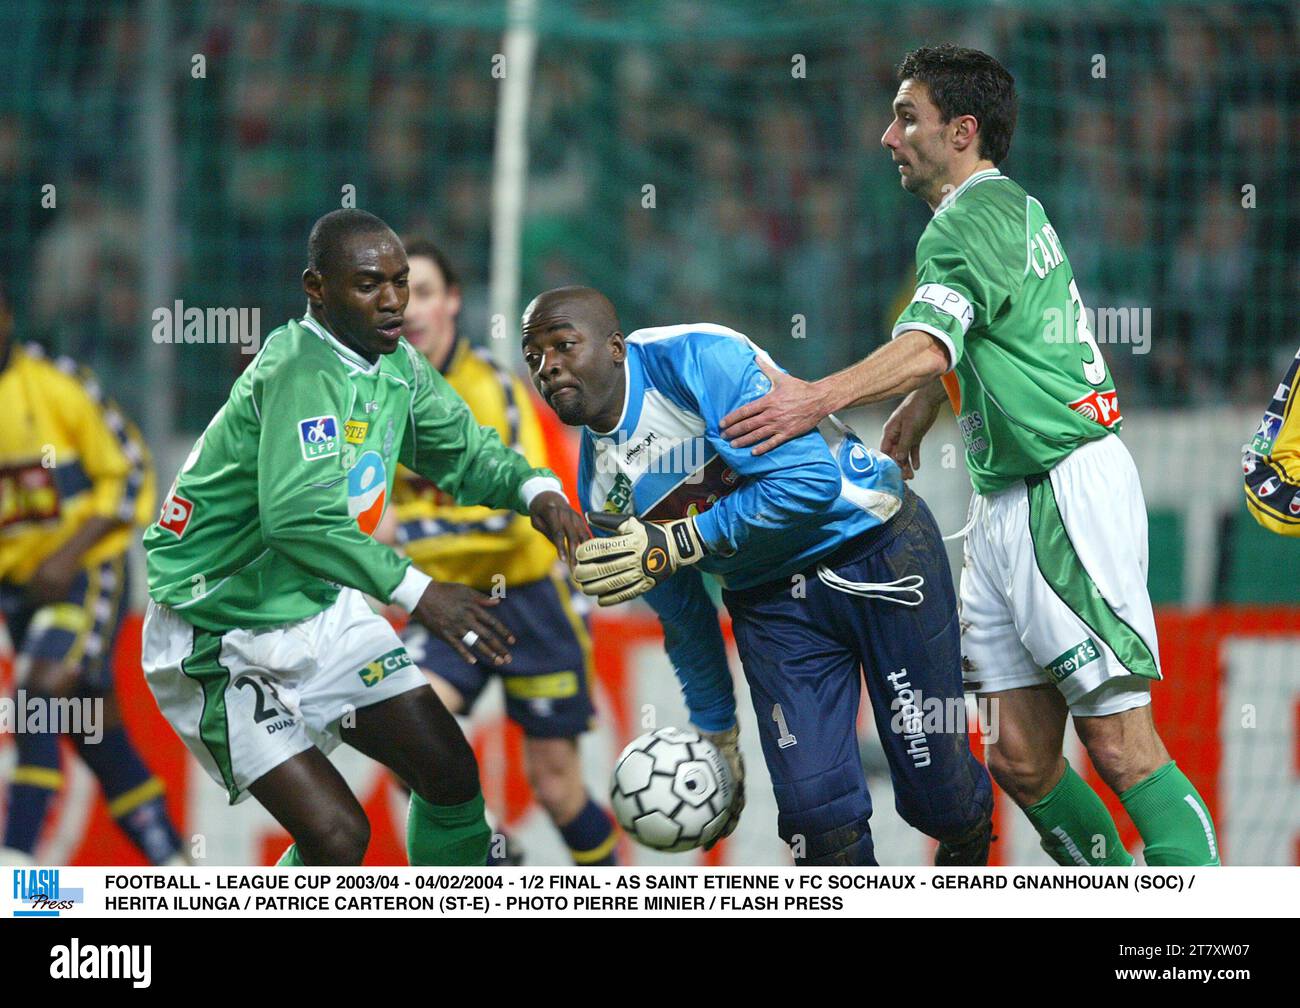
(382, 667)
(318, 437)
(38, 893)
(367, 491)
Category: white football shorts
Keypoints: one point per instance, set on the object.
(1054, 589)
(245, 701)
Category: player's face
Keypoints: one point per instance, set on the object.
(430, 320)
(365, 300)
(578, 373)
(915, 140)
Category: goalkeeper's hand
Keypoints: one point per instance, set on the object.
(728, 743)
(637, 557)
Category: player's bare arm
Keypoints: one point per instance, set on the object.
(794, 407)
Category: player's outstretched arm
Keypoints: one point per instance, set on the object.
(795, 407)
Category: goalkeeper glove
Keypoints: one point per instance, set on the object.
(637, 557)
(728, 743)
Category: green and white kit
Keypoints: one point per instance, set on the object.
(257, 639)
(1053, 589)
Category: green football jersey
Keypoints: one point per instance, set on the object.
(274, 508)
(994, 285)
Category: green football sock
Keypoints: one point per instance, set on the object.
(290, 858)
(447, 834)
(1075, 827)
(1173, 820)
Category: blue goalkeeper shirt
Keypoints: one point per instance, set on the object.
(763, 517)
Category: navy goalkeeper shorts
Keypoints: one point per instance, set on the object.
(880, 610)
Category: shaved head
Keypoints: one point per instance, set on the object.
(574, 350)
(582, 308)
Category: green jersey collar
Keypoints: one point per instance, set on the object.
(347, 353)
(973, 179)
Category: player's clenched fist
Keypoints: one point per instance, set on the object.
(635, 558)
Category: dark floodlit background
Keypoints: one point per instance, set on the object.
(1160, 137)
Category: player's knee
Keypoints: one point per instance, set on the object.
(51, 678)
(451, 778)
(949, 810)
(341, 839)
(1025, 776)
(1124, 747)
(1122, 766)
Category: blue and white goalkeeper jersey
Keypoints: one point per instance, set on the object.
(764, 518)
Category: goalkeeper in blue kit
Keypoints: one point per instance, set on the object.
(834, 574)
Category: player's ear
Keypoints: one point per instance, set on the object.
(617, 347)
(966, 132)
(311, 283)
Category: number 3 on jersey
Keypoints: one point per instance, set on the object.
(1094, 371)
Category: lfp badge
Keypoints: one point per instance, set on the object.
(1267, 433)
(318, 437)
(38, 893)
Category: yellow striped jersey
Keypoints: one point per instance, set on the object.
(67, 454)
(1272, 460)
(472, 545)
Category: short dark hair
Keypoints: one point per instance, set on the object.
(968, 82)
(330, 233)
(421, 246)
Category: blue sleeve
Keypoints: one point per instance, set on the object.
(778, 490)
(693, 640)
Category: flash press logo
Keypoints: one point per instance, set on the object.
(39, 894)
